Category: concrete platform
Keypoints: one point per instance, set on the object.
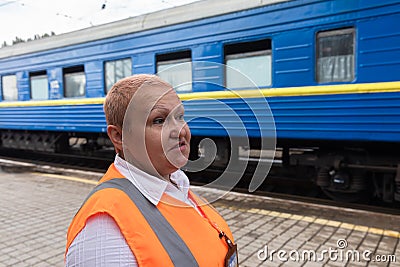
(36, 209)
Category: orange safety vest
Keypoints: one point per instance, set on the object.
(201, 244)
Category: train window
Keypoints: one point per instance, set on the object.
(116, 70)
(39, 85)
(335, 55)
(10, 90)
(171, 69)
(74, 81)
(252, 59)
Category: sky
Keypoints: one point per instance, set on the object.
(25, 18)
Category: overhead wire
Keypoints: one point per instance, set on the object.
(11, 2)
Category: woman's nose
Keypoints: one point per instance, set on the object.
(178, 130)
(182, 132)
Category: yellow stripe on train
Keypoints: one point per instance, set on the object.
(269, 92)
(58, 102)
(299, 91)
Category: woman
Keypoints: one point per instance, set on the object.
(142, 213)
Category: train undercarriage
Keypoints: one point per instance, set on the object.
(348, 172)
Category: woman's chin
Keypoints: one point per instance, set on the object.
(177, 158)
(179, 161)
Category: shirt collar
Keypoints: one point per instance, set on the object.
(150, 186)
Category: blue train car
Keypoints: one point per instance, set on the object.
(329, 70)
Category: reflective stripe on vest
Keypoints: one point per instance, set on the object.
(173, 244)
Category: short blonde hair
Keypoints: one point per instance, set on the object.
(121, 93)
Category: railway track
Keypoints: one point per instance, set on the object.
(289, 189)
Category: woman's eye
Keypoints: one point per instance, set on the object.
(180, 117)
(158, 121)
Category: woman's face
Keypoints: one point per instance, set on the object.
(156, 138)
(167, 136)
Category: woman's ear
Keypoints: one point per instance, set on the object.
(115, 135)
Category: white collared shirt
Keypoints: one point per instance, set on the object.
(100, 243)
(153, 187)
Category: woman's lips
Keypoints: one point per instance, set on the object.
(182, 146)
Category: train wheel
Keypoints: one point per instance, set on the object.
(208, 153)
(344, 185)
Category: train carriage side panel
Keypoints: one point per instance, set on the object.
(94, 78)
(23, 86)
(357, 117)
(348, 117)
(65, 118)
(56, 83)
(293, 58)
(379, 48)
(1, 88)
(206, 75)
(143, 63)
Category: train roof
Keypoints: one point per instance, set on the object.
(189, 12)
